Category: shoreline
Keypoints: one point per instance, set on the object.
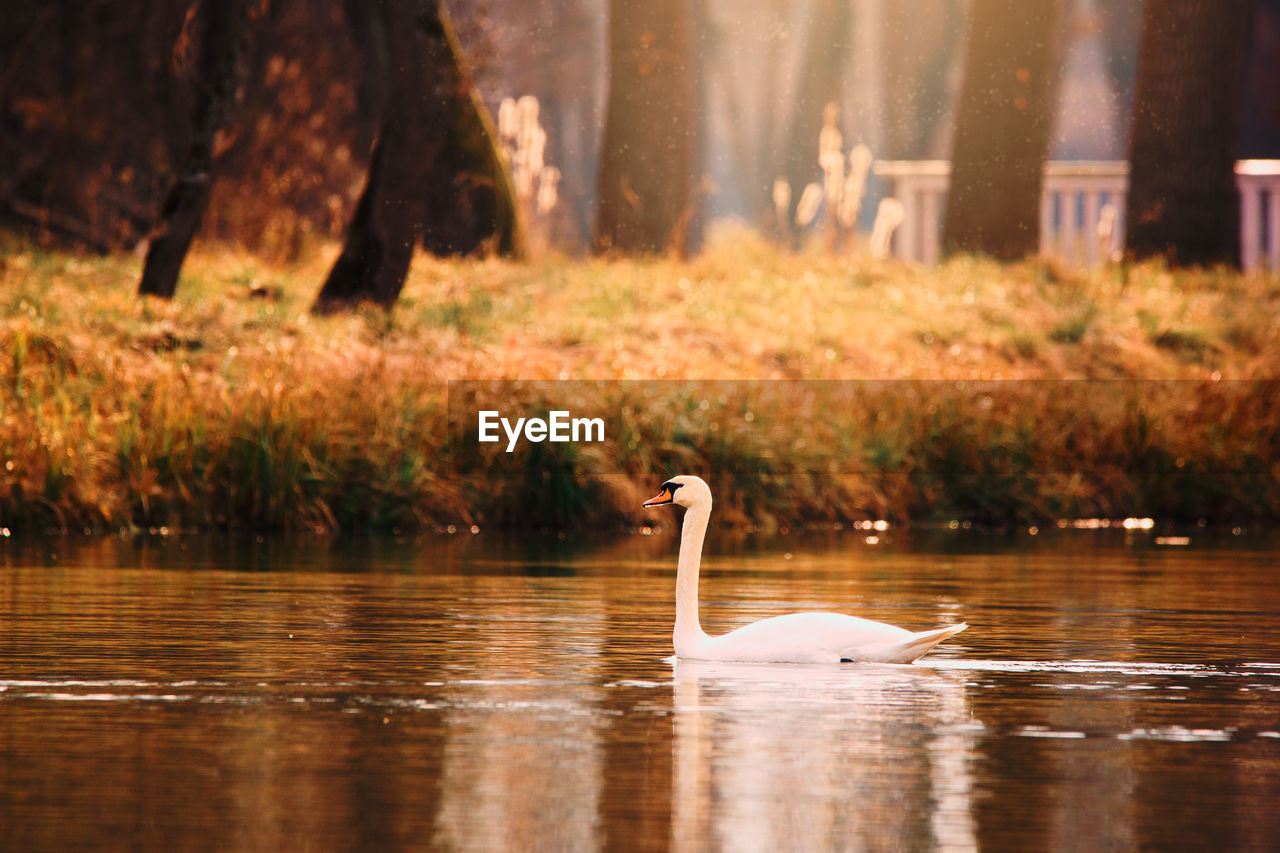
(968, 391)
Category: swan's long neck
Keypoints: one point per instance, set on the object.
(691, 537)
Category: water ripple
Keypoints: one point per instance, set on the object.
(1098, 667)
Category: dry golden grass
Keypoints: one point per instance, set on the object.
(232, 405)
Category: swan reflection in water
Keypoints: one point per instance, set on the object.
(807, 757)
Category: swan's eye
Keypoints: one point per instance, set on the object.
(671, 487)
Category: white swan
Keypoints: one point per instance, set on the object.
(794, 638)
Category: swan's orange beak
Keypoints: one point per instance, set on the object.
(666, 497)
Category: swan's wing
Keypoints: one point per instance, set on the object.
(822, 638)
(803, 638)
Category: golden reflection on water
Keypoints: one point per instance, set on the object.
(321, 695)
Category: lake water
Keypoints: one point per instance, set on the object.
(462, 693)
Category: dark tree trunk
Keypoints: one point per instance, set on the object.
(1260, 135)
(220, 78)
(436, 175)
(1187, 115)
(643, 203)
(1005, 115)
(471, 177)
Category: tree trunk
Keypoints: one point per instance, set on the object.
(1002, 128)
(1187, 115)
(643, 203)
(471, 177)
(221, 72)
(435, 176)
(1260, 134)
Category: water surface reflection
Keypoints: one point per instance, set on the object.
(471, 697)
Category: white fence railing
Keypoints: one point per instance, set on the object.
(1081, 209)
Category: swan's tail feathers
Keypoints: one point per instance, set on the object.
(922, 642)
(914, 647)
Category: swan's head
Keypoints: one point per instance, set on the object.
(686, 490)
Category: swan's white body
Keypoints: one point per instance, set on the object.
(794, 638)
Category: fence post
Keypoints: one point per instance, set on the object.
(1250, 227)
(1273, 228)
(1069, 186)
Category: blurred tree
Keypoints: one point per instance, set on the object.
(1121, 31)
(771, 27)
(1187, 114)
(821, 83)
(644, 199)
(94, 112)
(554, 50)
(1002, 128)
(436, 138)
(1260, 136)
(702, 39)
(221, 68)
(920, 39)
(101, 105)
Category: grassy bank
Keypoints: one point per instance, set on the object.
(232, 406)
